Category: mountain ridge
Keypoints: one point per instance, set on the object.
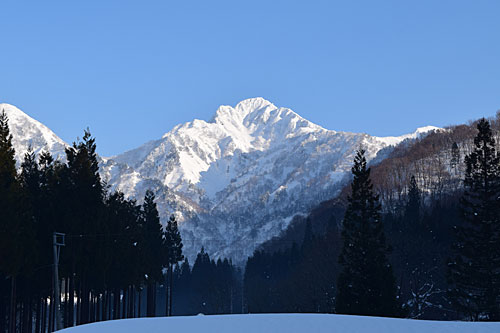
(238, 179)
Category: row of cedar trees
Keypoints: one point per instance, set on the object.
(114, 247)
(209, 287)
(443, 262)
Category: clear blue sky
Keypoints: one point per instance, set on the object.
(132, 70)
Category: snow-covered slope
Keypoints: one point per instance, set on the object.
(27, 132)
(238, 179)
(394, 140)
(289, 323)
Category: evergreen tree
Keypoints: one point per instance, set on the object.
(124, 241)
(310, 286)
(9, 189)
(182, 292)
(202, 282)
(152, 249)
(7, 154)
(7, 220)
(455, 156)
(39, 183)
(29, 180)
(172, 244)
(474, 273)
(16, 229)
(30, 175)
(308, 240)
(36, 205)
(366, 285)
(415, 250)
(223, 284)
(81, 200)
(412, 212)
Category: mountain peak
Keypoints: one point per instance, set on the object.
(241, 110)
(259, 117)
(254, 103)
(13, 112)
(27, 131)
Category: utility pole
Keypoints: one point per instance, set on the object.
(170, 290)
(57, 242)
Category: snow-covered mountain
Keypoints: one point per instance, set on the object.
(238, 179)
(235, 181)
(27, 132)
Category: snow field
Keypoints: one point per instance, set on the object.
(289, 323)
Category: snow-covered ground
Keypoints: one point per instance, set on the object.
(289, 323)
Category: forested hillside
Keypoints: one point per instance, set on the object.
(421, 188)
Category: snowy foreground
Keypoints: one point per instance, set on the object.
(289, 323)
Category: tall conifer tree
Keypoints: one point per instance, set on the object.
(474, 273)
(412, 213)
(8, 189)
(153, 249)
(16, 231)
(172, 244)
(201, 283)
(82, 200)
(455, 156)
(366, 285)
(8, 220)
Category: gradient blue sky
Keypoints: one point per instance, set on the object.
(133, 70)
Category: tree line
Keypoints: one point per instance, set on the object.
(209, 287)
(118, 261)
